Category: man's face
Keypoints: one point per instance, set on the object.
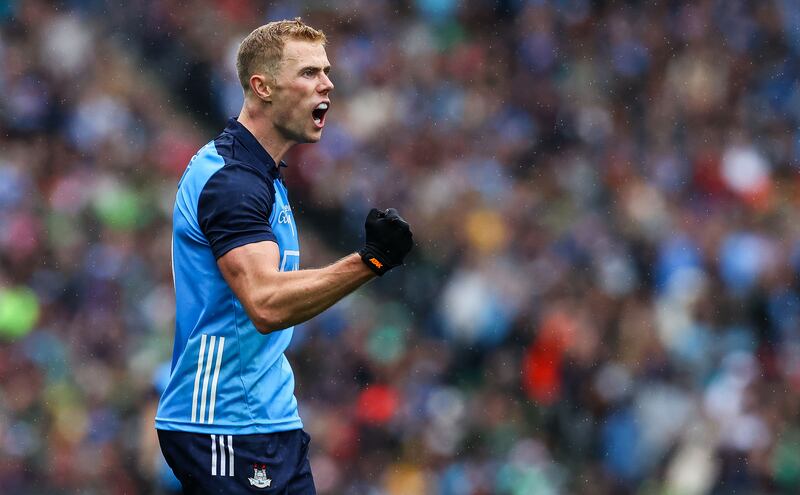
(300, 98)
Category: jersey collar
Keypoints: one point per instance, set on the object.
(246, 138)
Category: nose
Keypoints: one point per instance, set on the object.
(326, 85)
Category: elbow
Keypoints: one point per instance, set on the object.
(268, 312)
(268, 321)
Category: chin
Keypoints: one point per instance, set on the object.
(313, 138)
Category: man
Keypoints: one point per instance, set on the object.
(227, 421)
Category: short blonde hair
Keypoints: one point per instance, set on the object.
(261, 50)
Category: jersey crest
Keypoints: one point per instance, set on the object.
(259, 479)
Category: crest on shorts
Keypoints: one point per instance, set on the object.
(259, 479)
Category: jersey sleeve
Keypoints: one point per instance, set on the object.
(234, 209)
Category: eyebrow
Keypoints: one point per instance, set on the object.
(315, 68)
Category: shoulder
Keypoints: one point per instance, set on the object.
(217, 165)
(234, 207)
(238, 180)
(233, 193)
(203, 165)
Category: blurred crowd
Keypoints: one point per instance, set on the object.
(605, 293)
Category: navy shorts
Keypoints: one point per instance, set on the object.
(274, 463)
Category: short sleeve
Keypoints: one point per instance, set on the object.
(234, 208)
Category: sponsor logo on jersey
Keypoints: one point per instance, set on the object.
(285, 216)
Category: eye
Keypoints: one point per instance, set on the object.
(309, 72)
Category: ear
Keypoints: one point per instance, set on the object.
(261, 88)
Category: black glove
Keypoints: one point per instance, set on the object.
(388, 240)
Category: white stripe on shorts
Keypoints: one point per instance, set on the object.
(222, 462)
(213, 455)
(230, 451)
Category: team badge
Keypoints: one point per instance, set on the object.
(259, 479)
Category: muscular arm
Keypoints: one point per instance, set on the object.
(275, 300)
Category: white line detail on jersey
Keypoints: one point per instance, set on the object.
(197, 376)
(172, 257)
(205, 378)
(213, 455)
(230, 451)
(286, 254)
(220, 348)
(222, 455)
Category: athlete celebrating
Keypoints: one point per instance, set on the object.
(228, 420)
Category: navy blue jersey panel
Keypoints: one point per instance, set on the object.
(234, 208)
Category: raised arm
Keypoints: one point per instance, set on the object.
(275, 300)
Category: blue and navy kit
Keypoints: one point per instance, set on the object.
(226, 377)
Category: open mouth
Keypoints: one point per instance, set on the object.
(318, 114)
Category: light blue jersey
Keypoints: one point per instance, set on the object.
(227, 377)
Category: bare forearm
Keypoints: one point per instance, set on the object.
(275, 300)
(300, 295)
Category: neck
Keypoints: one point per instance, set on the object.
(256, 121)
